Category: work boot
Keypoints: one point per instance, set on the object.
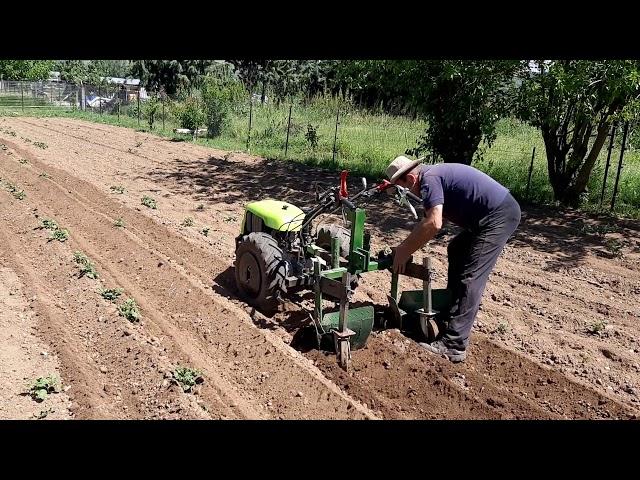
(438, 347)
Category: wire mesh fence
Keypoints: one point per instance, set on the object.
(330, 131)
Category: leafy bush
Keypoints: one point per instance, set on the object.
(190, 113)
(219, 98)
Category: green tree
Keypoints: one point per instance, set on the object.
(461, 102)
(191, 114)
(170, 75)
(25, 69)
(218, 97)
(574, 103)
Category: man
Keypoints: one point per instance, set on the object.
(488, 215)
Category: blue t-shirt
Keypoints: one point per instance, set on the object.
(467, 194)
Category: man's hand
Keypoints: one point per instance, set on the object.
(400, 259)
(424, 231)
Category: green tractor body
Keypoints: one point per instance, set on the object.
(271, 215)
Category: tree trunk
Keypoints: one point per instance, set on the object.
(579, 184)
(555, 160)
(569, 180)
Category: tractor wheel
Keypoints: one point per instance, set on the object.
(325, 232)
(260, 270)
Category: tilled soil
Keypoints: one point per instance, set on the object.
(557, 336)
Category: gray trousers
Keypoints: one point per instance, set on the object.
(472, 255)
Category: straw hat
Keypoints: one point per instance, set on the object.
(400, 166)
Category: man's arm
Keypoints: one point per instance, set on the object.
(421, 234)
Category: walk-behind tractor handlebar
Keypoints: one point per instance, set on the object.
(334, 198)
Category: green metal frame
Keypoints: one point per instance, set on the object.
(359, 261)
(359, 254)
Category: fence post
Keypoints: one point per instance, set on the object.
(138, 107)
(162, 97)
(22, 95)
(100, 97)
(624, 141)
(533, 154)
(250, 119)
(335, 136)
(606, 167)
(286, 145)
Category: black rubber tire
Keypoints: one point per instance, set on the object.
(261, 250)
(325, 232)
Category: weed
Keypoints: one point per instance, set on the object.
(187, 222)
(596, 327)
(502, 328)
(614, 247)
(149, 202)
(200, 207)
(42, 386)
(119, 223)
(130, 310)
(59, 234)
(187, 377)
(49, 224)
(19, 194)
(44, 175)
(23, 161)
(111, 294)
(86, 266)
(312, 136)
(117, 188)
(205, 231)
(40, 145)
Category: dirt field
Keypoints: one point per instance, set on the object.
(557, 335)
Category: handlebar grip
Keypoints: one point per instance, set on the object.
(384, 185)
(348, 203)
(414, 197)
(343, 184)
